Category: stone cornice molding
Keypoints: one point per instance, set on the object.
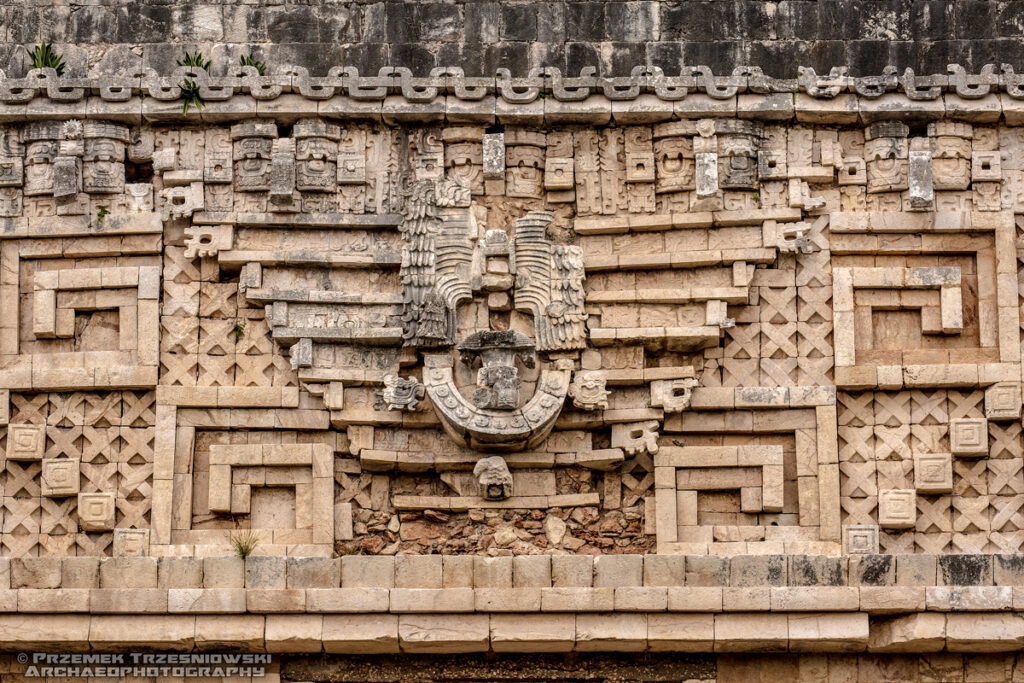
(545, 94)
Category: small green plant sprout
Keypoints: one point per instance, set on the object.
(757, 196)
(249, 60)
(195, 59)
(189, 88)
(244, 542)
(43, 57)
(190, 95)
(101, 213)
(239, 329)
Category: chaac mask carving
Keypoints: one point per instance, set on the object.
(444, 254)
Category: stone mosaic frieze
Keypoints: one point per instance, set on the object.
(674, 314)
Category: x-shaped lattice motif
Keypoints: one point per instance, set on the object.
(892, 408)
(856, 444)
(857, 410)
(928, 407)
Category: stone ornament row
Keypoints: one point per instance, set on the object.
(538, 83)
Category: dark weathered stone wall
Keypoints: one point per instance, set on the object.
(482, 36)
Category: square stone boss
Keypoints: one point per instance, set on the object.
(933, 473)
(96, 511)
(897, 508)
(1003, 401)
(860, 539)
(25, 442)
(968, 436)
(60, 478)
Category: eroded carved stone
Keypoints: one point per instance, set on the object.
(674, 395)
(493, 478)
(402, 394)
(497, 377)
(588, 390)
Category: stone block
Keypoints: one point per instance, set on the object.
(128, 572)
(265, 572)
(828, 632)
(275, 600)
(925, 632)
(35, 572)
(933, 473)
(860, 539)
(60, 478)
(533, 632)
(206, 600)
(969, 598)
(163, 632)
(131, 542)
(420, 571)
(611, 632)
(492, 572)
(127, 600)
(439, 634)
(998, 632)
(751, 632)
(815, 599)
(746, 599)
(577, 599)
(507, 599)
(96, 511)
(817, 570)
(965, 570)
(77, 572)
(1003, 401)
(457, 571)
(367, 571)
(892, 599)
(897, 508)
(664, 570)
(758, 570)
(179, 572)
(25, 442)
(347, 599)
(618, 570)
(294, 633)
(425, 600)
(224, 572)
(360, 634)
(1008, 570)
(695, 599)
(641, 599)
(572, 571)
(531, 571)
(680, 632)
(705, 570)
(235, 632)
(872, 570)
(968, 436)
(313, 572)
(50, 600)
(916, 570)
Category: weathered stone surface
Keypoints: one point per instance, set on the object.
(286, 355)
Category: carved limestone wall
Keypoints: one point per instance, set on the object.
(683, 314)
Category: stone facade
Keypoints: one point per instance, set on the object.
(680, 362)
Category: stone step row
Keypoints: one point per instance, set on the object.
(448, 633)
(268, 572)
(653, 599)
